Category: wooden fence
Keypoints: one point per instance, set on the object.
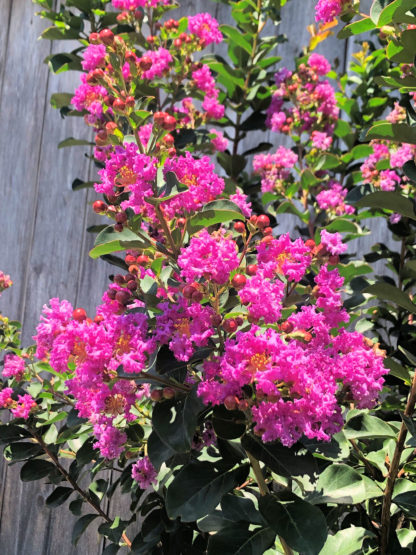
(44, 246)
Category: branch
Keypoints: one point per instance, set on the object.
(394, 470)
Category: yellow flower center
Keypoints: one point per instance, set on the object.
(182, 327)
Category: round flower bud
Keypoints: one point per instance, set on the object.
(252, 269)
(142, 260)
(156, 395)
(121, 217)
(286, 327)
(119, 105)
(106, 36)
(79, 315)
(263, 221)
(123, 296)
(238, 281)
(239, 227)
(188, 291)
(99, 206)
(230, 402)
(169, 123)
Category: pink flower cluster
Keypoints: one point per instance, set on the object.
(14, 367)
(144, 473)
(5, 281)
(382, 168)
(205, 82)
(161, 60)
(327, 10)
(97, 349)
(134, 4)
(20, 408)
(274, 169)
(332, 199)
(303, 102)
(205, 27)
(94, 56)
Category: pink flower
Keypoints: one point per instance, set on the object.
(241, 200)
(53, 321)
(282, 256)
(321, 140)
(253, 295)
(110, 442)
(319, 63)
(388, 180)
(161, 60)
(213, 257)
(14, 367)
(94, 56)
(333, 242)
(333, 199)
(5, 281)
(213, 108)
(274, 169)
(204, 185)
(205, 27)
(219, 142)
(327, 10)
(134, 4)
(25, 403)
(6, 397)
(144, 473)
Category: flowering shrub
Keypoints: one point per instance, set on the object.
(224, 344)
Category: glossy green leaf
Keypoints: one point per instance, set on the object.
(70, 141)
(35, 469)
(341, 484)
(389, 200)
(299, 523)
(237, 540)
(109, 241)
(356, 28)
(365, 426)
(400, 132)
(81, 525)
(346, 542)
(282, 460)
(58, 496)
(198, 488)
(387, 292)
(216, 212)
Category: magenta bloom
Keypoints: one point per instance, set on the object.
(161, 60)
(213, 257)
(333, 242)
(94, 56)
(25, 403)
(219, 142)
(274, 169)
(319, 63)
(205, 27)
(327, 10)
(144, 473)
(14, 367)
(333, 199)
(134, 4)
(6, 397)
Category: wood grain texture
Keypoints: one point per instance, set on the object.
(44, 244)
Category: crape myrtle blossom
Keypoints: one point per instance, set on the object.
(205, 27)
(327, 10)
(383, 168)
(303, 101)
(274, 169)
(144, 473)
(134, 4)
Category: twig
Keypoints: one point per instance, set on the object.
(264, 490)
(394, 470)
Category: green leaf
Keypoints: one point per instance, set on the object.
(356, 28)
(237, 540)
(216, 212)
(302, 525)
(59, 100)
(78, 184)
(282, 460)
(23, 450)
(175, 421)
(228, 424)
(394, 11)
(346, 542)
(387, 292)
(376, 9)
(341, 484)
(389, 200)
(70, 141)
(81, 525)
(397, 370)
(240, 508)
(58, 496)
(399, 132)
(198, 488)
(11, 432)
(236, 37)
(35, 469)
(109, 241)
(365, 426)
